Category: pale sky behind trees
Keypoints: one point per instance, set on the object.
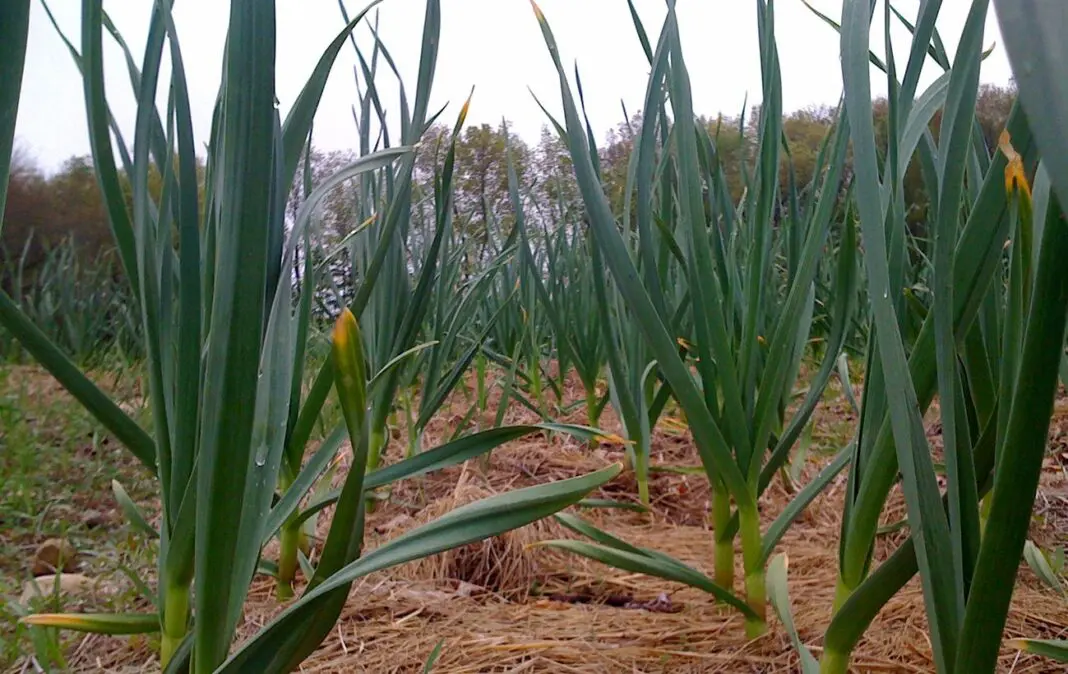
(493, 45)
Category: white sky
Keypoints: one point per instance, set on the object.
(494, 45)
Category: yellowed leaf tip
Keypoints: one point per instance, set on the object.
(1016, 178)
(53, 620)
(537, 11)
(467, 106)
(612, 438)
(1005, 145)
(344, 328)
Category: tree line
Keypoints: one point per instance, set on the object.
(43, 212)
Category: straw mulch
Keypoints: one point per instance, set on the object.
(506, 606)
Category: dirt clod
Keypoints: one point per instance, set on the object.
(55, 554)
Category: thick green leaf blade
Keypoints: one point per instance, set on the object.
(929, 525)
(980, 251)
(99, 117)
(1018, 470)
(344, 542)
(245, 180)
(955, 145)
(191, 300)
(450, 454)
(14, 31)
(860, 609)
(581, 526)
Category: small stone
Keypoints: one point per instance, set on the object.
(95, 518)
(44, 586)
(55, 554)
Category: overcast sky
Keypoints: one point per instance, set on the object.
(494, 45)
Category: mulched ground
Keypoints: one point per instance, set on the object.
(504, 606)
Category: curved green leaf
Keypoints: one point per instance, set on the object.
(130, 509)
(443, 456)
(779, 595)
(652, 566)
(467, 447)
(467, 524)
(1036, 559)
